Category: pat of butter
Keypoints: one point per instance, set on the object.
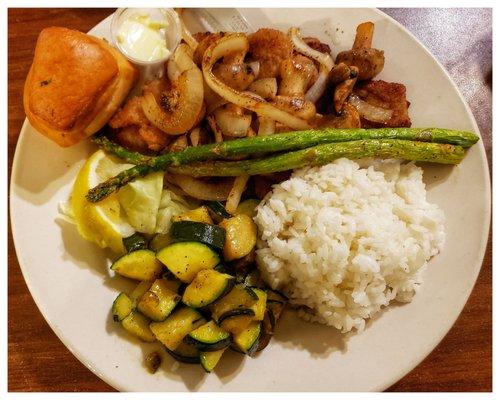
(143, 38)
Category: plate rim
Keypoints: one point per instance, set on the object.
(383, 385)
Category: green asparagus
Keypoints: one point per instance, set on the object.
(326, 153)
(132, 157)
(263, 144)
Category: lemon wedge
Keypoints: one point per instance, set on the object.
(102, 223)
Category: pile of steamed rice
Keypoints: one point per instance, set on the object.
(344, 240)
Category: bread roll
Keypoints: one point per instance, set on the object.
(75, 84)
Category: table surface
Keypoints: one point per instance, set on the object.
(459, 38)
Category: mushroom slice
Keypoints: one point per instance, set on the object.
(369, 61)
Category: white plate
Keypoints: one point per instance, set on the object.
(70, 283)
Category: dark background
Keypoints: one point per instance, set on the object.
(461, 40)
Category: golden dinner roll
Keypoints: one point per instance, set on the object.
(75, 84)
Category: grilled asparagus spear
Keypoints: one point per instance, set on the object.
(326, 153)
(266, 144)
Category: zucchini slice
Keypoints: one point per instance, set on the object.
(259, 308)
(241, 236)
(248, 207)
(247, 341)
(122, 306)
(199, 214)
(172, 331)
(185, 353)
(275, 304)
(190, 231)
(186, 259)
(237, 320)
(207, 287)
(209, 359)
(173, 284)
(135, 242)
(160, 241)
(209, 337)
(240, 297)
(140, 264)
(159, 301)
(139, 290)
(138, 325)
(217, 210)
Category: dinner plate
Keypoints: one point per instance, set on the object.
(71, 283)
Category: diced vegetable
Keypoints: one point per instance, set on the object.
(207, 287)
(238, 320)
(140, 264)
(241, 236)
(172, 284)
(210, 359)
(186, 259)
(190, 231)
(159, 301)
(122, 306)
(185, 353)
(217, 210)
(138, 325)
(239, 298)
(209, 337)
(135, 242)
(160, 241)
(172, 331)
(259, 308)
(139, 290)
(248, 207)
(247, 341)
(275, 303)
(199, 214)
(153, 361)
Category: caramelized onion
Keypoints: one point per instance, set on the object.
(266, 126)
(325, 61)
(370, 112)
(319, 87)
(189, 85)
(232, 124)
(201, 189)
(234, 197)
(303, 48)
(238, 42)
(266, 88)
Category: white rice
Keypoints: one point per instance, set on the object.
(344, 240)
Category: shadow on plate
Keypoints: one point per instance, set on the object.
(435, 174)
(91, 257)
(319, 340)
(43, 167)
(192, 375)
